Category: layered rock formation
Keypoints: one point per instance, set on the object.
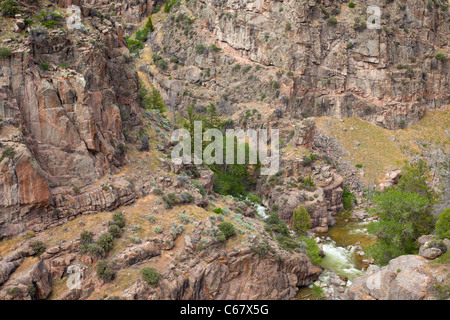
(308, 58)
(66, 99)
(404, 278)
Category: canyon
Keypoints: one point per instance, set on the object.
(350, 104)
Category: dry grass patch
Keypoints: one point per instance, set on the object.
(380, 149)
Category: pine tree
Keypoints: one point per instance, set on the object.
(301, 222)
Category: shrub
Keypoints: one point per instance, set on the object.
(150, 275)
(440, 56)
(287, 242)
(9, 8)
(317, 292)
(38, 247)
(86, 237)
(443, 225)
(301, 220)
(312, 250)
(403, 217)
(218, 210)
(188, 197)
(29, 235)
(106, 241)
(348, 199)
(9, 152)
(351, 5)
(261, 249)
(220, 236)
(199, 48)
(227, 228)
(215, 48)
(254, 198)
(184, 218)
(149, 24)
(158, 229)
(158, 192)
(45, 66)
(142, 35)
(162, 64)
(104, 271)
(115, 231)
(119, 219)
(332, 21)
(94, 249)
(5, 52)
(134, 45)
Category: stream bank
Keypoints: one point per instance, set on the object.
(344, 258)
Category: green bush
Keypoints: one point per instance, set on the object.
(9, 8)
(199, 48)
(218, 210)
(227, 228)
(440, 56)
(184, 218)
(403, 217)
(312, 250)
(287, 242)
(45, 66)
(254, 198)
(443, 225)
(351, 5)
(134, 45)
(115, 231)
(5, 52)
(38, 247)
(332, 21)
(86, 237)
(348, 199)
(9, 152)
(119, 219)
(94, 249)
(104, 271)
(301, 220)
(150, 275)
(142, 35)
(215, 48)
(149, 24)
(220, 236)
(106, 241)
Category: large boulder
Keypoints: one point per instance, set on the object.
(407, 277)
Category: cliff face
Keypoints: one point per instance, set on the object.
(309, 58)
(65, 100)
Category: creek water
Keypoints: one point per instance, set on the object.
(342, 245)
(348, 239)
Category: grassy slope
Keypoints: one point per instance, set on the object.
(381, 149)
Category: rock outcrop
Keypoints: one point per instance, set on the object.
(66, 99)
(306, 58)
(404, 278)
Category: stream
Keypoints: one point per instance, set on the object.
(342, 245)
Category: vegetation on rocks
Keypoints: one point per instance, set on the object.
(405, 214)
(150, 275)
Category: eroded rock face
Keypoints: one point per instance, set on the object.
(239, 275)
(404, 278)
(388, 76)
(65, 100)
